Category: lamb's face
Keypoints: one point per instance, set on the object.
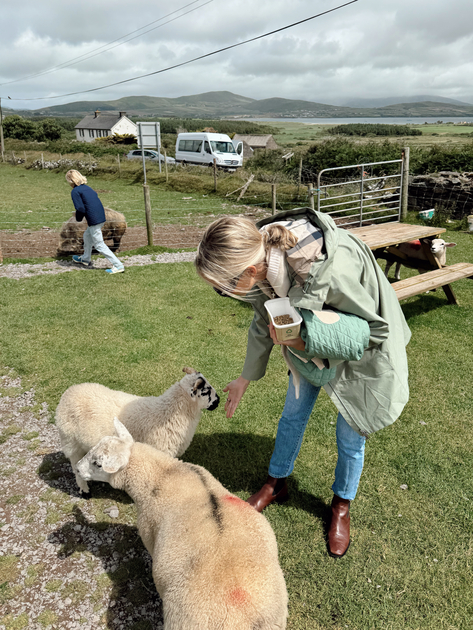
(109, 456)
(437, 246)
(202, 391)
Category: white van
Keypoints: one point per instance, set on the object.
(204, 148)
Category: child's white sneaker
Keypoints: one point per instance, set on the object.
(115, 270)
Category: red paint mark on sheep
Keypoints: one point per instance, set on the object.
(415, 244)
(239, 597)
(235, 500)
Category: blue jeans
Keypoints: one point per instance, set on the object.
(93, 238)
(296, 413)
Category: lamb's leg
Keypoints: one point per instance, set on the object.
(83, 486)
(397, 274)
(387, 268)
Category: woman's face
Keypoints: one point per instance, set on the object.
(253, 274)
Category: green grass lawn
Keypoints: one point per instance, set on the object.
(409, 565)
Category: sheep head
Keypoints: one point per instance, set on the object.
(109, 456)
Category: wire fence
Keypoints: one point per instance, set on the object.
(180, 224)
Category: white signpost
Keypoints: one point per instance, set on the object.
(149, 137)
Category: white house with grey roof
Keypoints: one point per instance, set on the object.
(100, 125)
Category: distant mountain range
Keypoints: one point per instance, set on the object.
(228, 105)
(396, 100)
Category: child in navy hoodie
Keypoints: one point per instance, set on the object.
(88, 205)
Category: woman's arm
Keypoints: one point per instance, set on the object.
(78, 204)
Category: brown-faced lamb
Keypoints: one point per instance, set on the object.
(168, 422)
(215, 559)
(414, 249)
(72, 232)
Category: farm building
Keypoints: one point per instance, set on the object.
(252, 142)
(98, 125)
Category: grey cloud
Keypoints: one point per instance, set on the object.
(369, 48)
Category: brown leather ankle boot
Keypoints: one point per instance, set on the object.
(339, 532)
(273, 490)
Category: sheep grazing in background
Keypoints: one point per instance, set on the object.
(72, 233)
(168, 422)
(413, 249)
(215, 558)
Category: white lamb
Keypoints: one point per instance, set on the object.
(215, 558)
(168, 422)
(414, 249)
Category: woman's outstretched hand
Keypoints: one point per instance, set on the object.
(298, 343)
(235, 390)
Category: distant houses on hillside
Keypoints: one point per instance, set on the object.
(253, 142)
(99, 125)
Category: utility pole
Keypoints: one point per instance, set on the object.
(1, 131)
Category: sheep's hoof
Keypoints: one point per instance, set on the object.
(86, 495)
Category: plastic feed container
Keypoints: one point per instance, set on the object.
(282, 306)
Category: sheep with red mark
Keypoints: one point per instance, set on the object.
(414, 249)
(215, 558)
(168, 422)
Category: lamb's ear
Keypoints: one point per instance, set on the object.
(118, 459)
(122, 431)
(189, 370)
(199, 384)
(450, 244)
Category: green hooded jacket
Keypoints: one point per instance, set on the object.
(372, 392)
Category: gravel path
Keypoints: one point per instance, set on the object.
(19, 270)
(65, 562)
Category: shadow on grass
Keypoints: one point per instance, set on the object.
(55, 470)
(133, 601)
(240, 462)
(423, 304)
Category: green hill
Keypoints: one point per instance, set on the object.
(226, 104)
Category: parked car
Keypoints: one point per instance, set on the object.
(150, 154)
(204, 148)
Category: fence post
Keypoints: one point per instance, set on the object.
(166, 165)
(405, 182)
(311, 195)
(149, 226)
(215, 174)
(24, 153)
(273, 197)
(1, 255)
(299, 181)
(119, 166)
(13, 156)
(42, 160)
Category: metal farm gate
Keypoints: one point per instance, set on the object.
(361, 194)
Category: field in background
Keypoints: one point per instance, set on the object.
(293, 135)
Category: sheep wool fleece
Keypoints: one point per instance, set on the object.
(372, 392)
(215, 559)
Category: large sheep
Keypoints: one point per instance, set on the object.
(168, 422)
(215, 558)
(72, 233)
(414, 249)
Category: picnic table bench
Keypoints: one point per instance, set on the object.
(383, 238)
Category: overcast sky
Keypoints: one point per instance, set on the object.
(369, 49)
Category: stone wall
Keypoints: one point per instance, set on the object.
(453, 191)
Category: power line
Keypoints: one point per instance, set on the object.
(89, 55)
(184, 63)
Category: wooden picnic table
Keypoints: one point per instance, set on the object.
(383, 239)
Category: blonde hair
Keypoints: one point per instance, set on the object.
(76, 178)
(232, 244)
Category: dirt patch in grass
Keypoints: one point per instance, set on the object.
(44, 243)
